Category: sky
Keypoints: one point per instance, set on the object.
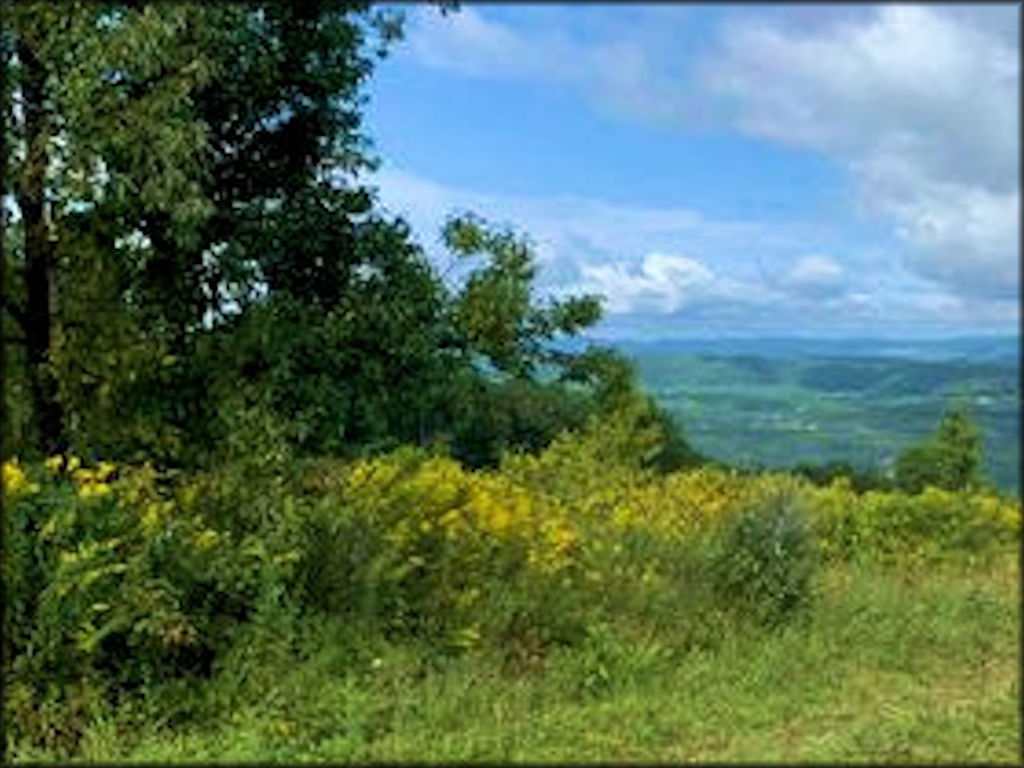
(812, 170)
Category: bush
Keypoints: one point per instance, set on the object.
(128, 579)
(118, 577)
(425, 545)
(764, 559)
(898, 525)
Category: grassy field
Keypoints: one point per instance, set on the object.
(890, 665)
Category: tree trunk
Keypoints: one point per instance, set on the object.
(47, 414)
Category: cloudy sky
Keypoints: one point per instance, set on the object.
(727, 169)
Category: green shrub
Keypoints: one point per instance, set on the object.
(764, 559)
(860, 479)
(123, 578)
(897, 525)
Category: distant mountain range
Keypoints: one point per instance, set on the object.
(975, 348)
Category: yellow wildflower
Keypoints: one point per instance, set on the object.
(499, 518)
(54, 464)
(450, 518)
(15, 481)
(14, 477)
(93, 490)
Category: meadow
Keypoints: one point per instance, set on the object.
(569, 605)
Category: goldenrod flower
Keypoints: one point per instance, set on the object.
(14, 477)
(92, 490)
(15, 481)
(151, 517)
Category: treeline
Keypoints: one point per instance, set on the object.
(194, 265)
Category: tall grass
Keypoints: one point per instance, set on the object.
(890, 667)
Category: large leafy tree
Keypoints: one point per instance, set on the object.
(66, 69)
(154, 151)
(191, 240)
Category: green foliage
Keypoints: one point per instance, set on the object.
(364, 368)
(178, 174)
(125, 576)
(861, 480)
(946, 642)
(495, 417)
(238, 263)
(950, 460)
(606, 662)
(766, 558)
(121, 580)
(494, 311)
(923, 526)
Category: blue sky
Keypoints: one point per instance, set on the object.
(726, 169)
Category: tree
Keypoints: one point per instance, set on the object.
(951, 459)
(510, 394)
(359, 362)
(495, 314)
(68, 109)
(194, 239)
(162, 141)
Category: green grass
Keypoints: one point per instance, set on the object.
(890, 666)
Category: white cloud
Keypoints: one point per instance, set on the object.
(611, 67)
(467, 43)
(921, 104)
(735, 274)
(963, 235)
(663, 284)
(571, 232)
(816, 276)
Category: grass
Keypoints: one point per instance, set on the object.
(890, 666)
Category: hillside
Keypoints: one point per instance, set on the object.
(779, 402)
